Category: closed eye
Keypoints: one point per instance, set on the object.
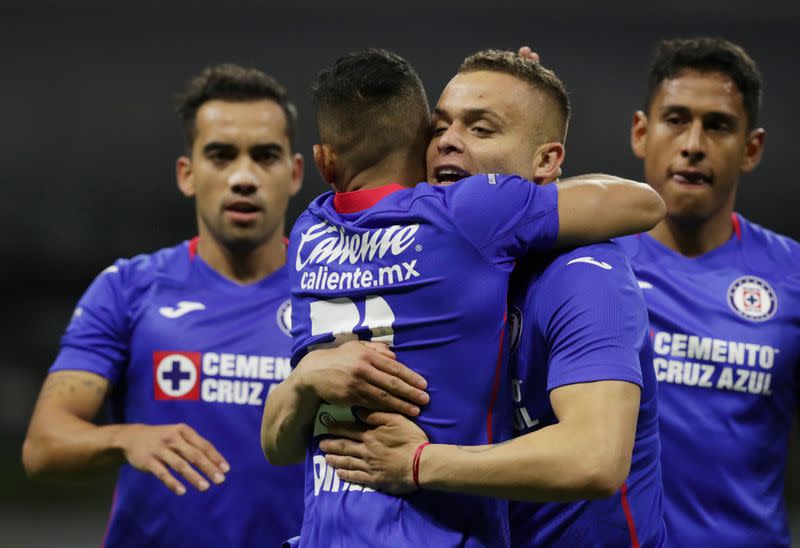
(481, 131)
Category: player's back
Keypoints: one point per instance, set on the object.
(426, 271)
(726, 337)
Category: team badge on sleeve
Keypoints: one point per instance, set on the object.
(284, 317)
(752, 298)
(176, 375)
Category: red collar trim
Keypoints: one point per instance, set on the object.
(737, 226)
(359, 200)
(193, 247)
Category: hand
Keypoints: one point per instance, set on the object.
(363, 374)
(379, 454)
(157, 449)
(528, 53)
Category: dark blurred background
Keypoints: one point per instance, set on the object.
(88, 142)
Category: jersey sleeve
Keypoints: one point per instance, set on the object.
(96, 339)
(504, 216)
(300, 323)
(593, 318)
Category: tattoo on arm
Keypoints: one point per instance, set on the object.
(59, 385)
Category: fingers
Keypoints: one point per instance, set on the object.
(401, 372)
(386, 362)
(342, 447)
(378, 398)
(346, 462)
(527, 52)
(199, 460)
(212, 463)
(380, 348)
(178, 464)
(160, 471)
(356, 476)
(390, 386)
(374, 418)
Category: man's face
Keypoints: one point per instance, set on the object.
(694, 142)
(483, 123)
(242, 171)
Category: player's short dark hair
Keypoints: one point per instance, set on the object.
(705, 54)
(369, 103)
(527, 70)
(229, 82)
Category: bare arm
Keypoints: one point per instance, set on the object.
(355, 374)
(288, 418)
(587, 454)
(593, 208)
(62, 439)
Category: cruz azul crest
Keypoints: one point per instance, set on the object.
(752, 298)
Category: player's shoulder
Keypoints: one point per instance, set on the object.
(584, 271)
(606, 251)
(588, 265)
(478, 183)
(768, 245)
(142, 269)
(630, 245)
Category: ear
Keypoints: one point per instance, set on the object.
(547, 162)
(297, 174)
(753, 149)
(639, 134)
(183, 172)
(326, 160)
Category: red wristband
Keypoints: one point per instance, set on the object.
(415, 462)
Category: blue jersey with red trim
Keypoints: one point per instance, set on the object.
(425, 270)
(726, 336)
(579, 317)
(180, 343)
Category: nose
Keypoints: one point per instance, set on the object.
(693, 147)
(450, 141)
(243, 179)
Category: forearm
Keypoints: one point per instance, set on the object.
(598, 207)
(288, 418)
(64, 445)
(551, 464)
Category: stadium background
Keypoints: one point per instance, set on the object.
(89, 141)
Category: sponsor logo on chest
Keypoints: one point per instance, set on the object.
(216, 377)
(707, 362)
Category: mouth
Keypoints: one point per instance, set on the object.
(242, 212)
(445, 175)
(691, 177)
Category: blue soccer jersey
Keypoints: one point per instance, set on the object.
(180, 343)
(726, 336)
(580, 317)
(425, 270)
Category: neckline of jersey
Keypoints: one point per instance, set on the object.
(359, 200)
(709, 256)
(221, 281)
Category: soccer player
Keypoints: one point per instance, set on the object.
(426, 271)
(584, 387)
(187, 342)
(723, 295)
